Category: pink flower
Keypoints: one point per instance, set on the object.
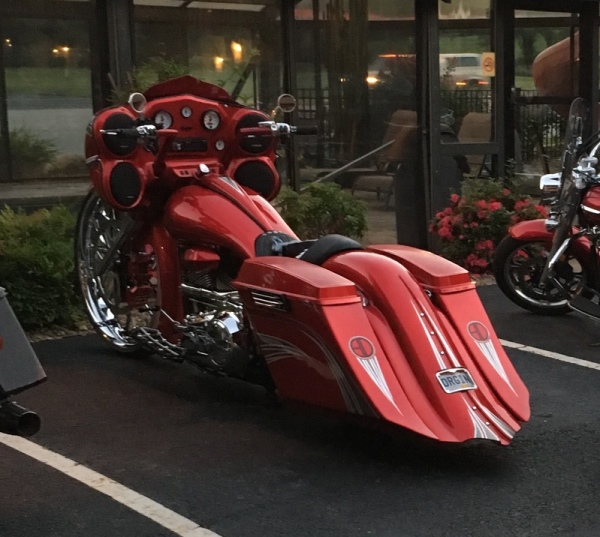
(494, 206)
(481, 214)
(454, 198)
(481, 204)
(445, 233)
(506, 192)
(521, 204)
(487, 245)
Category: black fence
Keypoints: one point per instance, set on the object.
(540, 130)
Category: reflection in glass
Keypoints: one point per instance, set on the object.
(233, 45)
(48, 82)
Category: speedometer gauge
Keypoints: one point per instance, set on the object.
(211, 120)
(163, 119)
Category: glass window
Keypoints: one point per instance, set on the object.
(236, 46)
(355, 68)
(356, 78)
(48, 85)
(466, 88)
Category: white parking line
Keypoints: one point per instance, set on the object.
(550, 354)
(143, 505)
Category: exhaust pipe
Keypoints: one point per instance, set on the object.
(15, 419)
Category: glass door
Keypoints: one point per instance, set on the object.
(545, 81)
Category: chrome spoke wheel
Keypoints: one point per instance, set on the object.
(102, 270)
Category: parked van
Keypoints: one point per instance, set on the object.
(463, 71)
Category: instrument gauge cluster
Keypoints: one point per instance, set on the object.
(211, 120)
(163, 119)
(201, 127)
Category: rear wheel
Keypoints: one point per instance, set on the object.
(518, 267)
(105, 290)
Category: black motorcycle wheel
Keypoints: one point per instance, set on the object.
(518, 266)
(98, 227)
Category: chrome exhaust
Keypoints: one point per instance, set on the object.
(17, 420)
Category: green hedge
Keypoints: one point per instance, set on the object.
(37, 267)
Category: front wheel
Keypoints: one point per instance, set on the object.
(102, 265)
(518, 267)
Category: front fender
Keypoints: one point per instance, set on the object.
(535, 230)
(531, 230)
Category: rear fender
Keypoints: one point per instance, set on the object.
(319, 344)
(422, 334)
(360, 334)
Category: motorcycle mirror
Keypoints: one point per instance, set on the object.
(286, 103)
(138, 102)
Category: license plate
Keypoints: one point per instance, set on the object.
(456, 380)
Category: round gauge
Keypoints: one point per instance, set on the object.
(186, 111)
(220, 145)
(163, 119)
(211, 120)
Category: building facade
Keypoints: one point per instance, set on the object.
(446, 87)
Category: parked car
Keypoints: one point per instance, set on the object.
(463, 71)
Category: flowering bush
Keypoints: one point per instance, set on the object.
(475, 222)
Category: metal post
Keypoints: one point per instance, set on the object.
(289, 83)
(411, 187)
(112, 43)
(5, 159)
(589, 59)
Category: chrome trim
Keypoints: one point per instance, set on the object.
(270, 300)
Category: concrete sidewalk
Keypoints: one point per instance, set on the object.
(32, 195)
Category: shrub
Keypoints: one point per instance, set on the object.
(30, 152)
(37, 266)
(475, 222)
(322, 208)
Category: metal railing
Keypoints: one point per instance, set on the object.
(539, 128)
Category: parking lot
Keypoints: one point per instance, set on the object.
(178, 453)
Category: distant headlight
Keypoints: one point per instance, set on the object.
(372, 80)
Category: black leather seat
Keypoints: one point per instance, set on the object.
(313, 251)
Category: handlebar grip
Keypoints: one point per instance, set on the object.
(256, 131)
(313, 129)
(125, 133)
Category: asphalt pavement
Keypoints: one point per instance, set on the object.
(217, 453)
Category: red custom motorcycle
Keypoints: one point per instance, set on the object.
(181, 254)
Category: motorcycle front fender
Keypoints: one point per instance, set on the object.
(535, 230)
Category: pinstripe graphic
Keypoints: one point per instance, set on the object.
(432, 330)
(364, 351)
(276, 349)
(481, 430)
(486, 346)
(504, 427)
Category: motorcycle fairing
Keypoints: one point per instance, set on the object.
(187, 84)
(536, 230)
(408, 341)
